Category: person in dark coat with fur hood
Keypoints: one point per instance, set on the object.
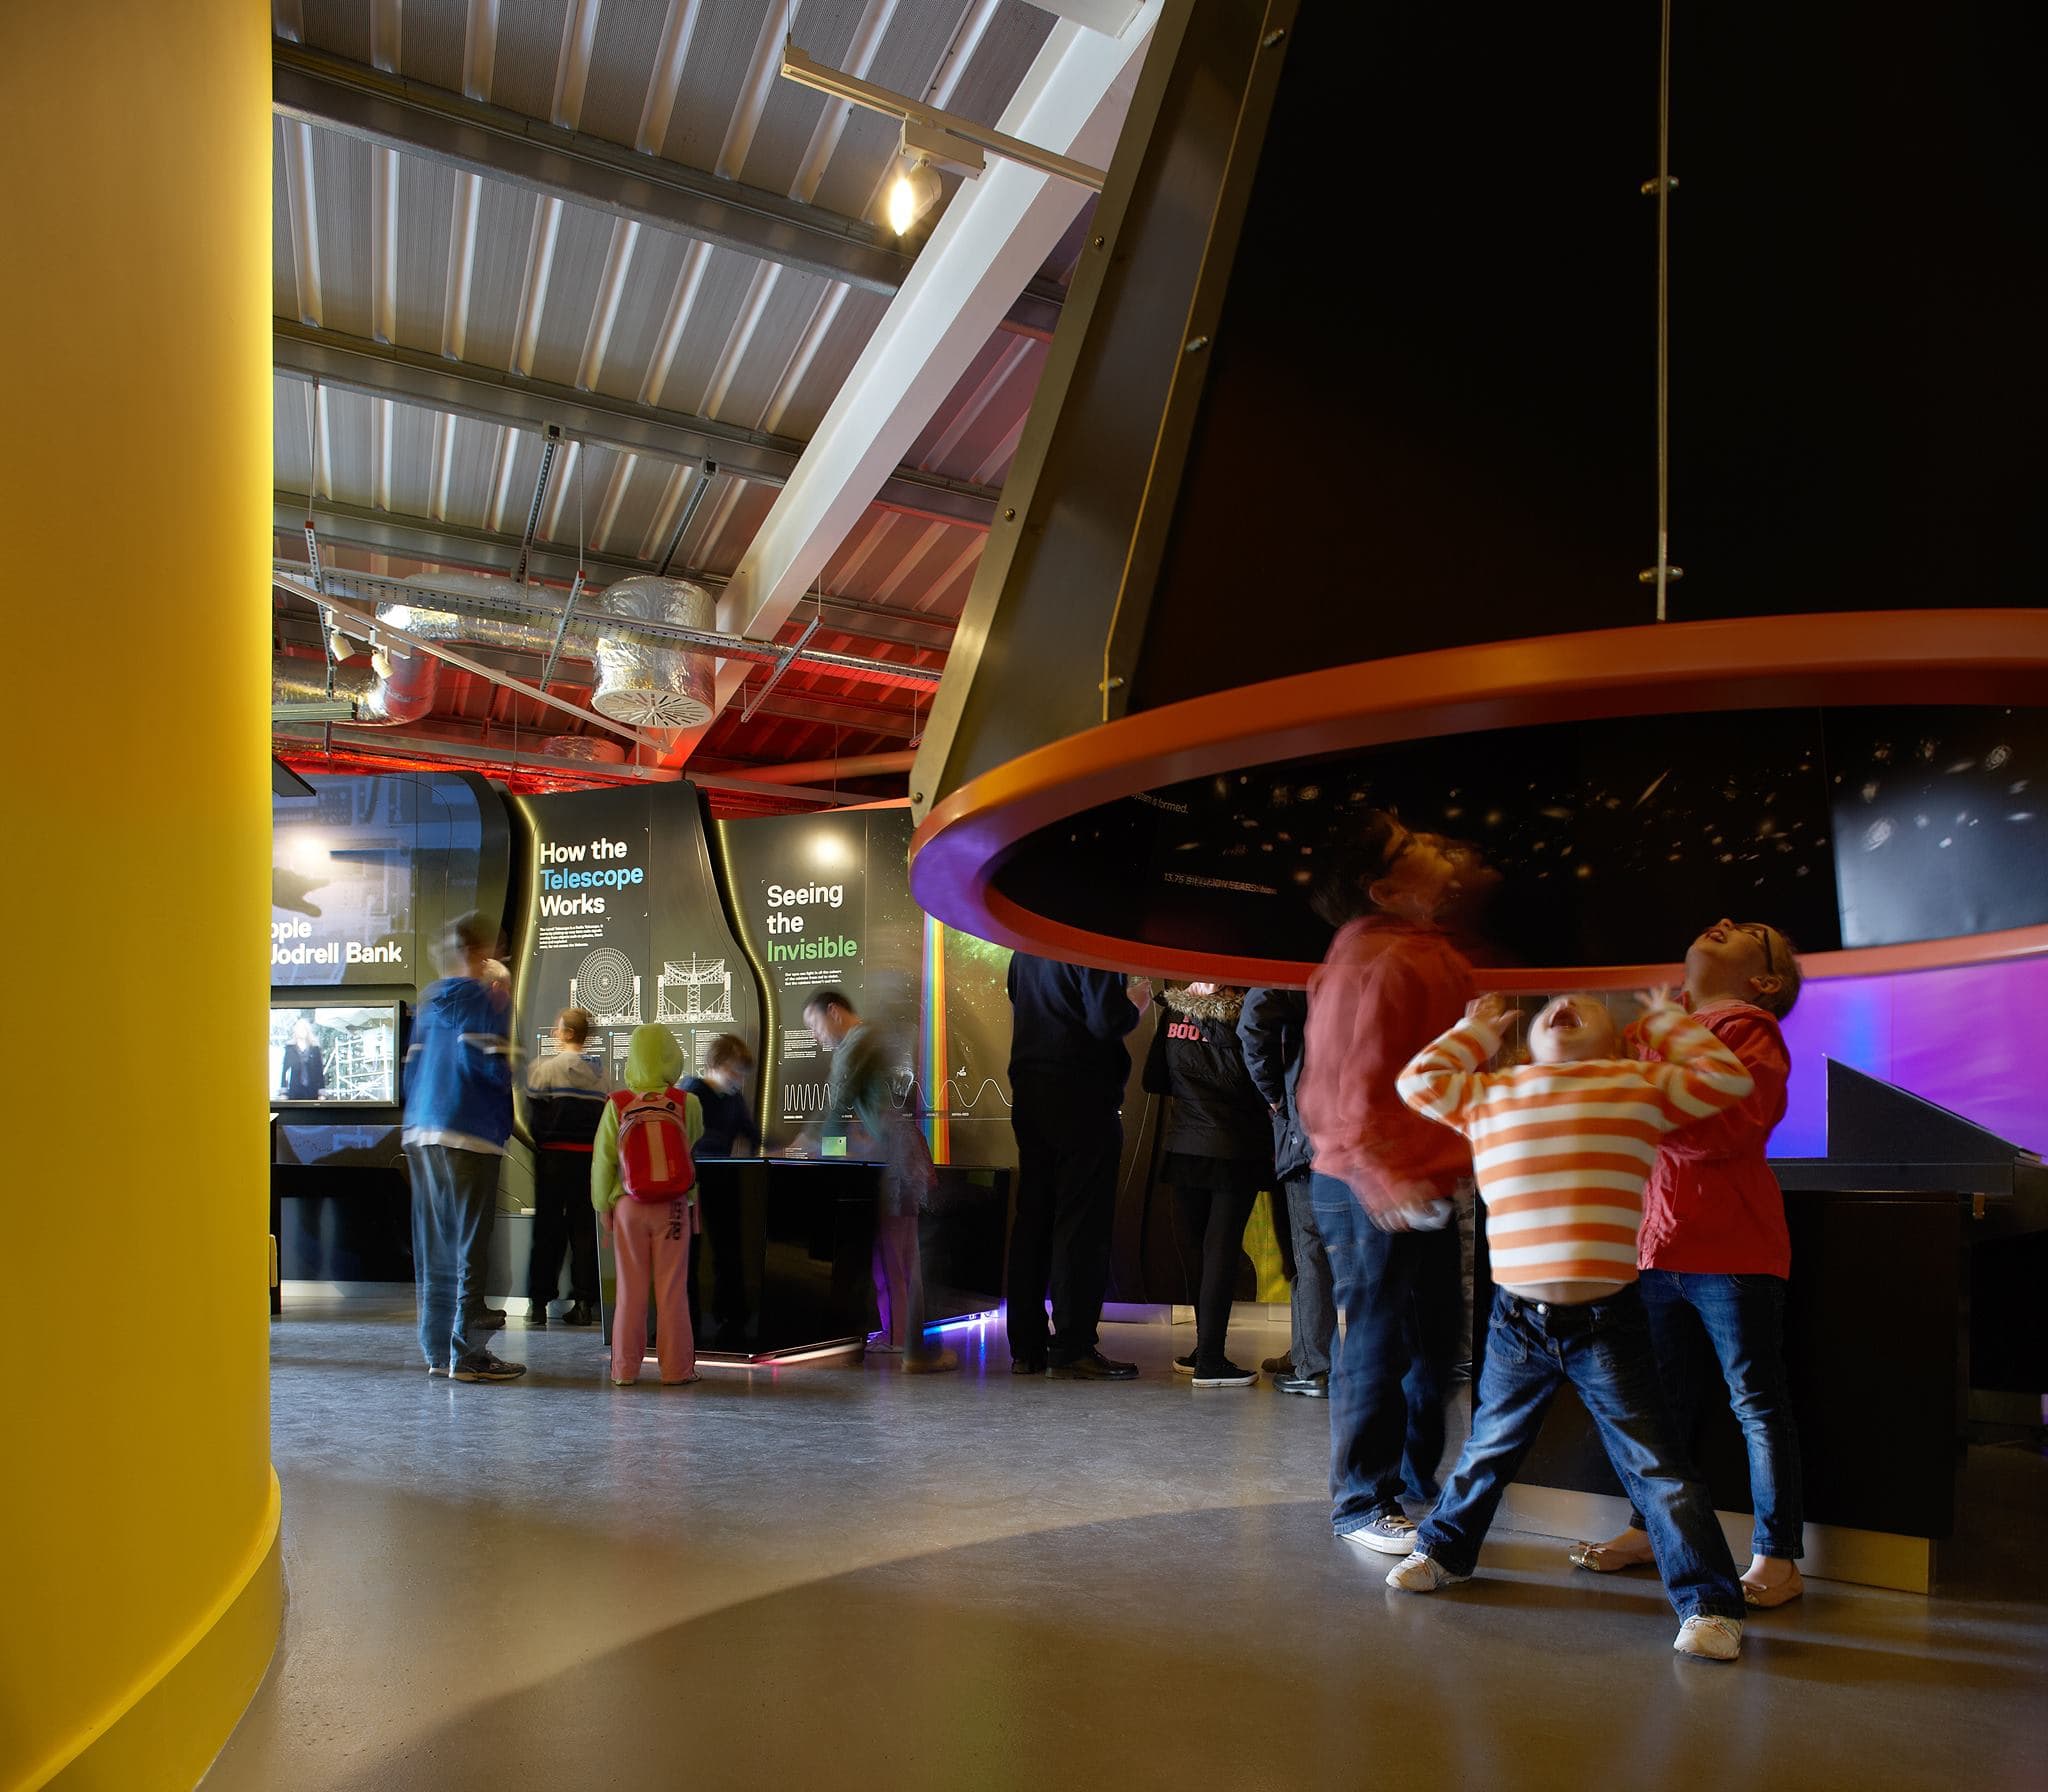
(1219, 1153)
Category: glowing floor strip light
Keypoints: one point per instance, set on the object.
(954, 1325)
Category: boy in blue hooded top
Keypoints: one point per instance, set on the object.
(458, 1115)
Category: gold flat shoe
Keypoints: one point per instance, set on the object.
(1763, 1599)
(1604, 1558)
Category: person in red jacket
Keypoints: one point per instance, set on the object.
(1385, 1177)
(1715, 1253)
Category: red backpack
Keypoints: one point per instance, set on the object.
(654, 1145)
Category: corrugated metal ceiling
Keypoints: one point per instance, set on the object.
(384, 246)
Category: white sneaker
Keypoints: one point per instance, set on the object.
(1422, 1574)
(1710, 1638)
(1390, 1534)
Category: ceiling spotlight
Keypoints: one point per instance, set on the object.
(339, 644)
(380, 663)
(931, 140)
(913, 192)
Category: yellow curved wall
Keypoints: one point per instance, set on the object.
(136, 1500)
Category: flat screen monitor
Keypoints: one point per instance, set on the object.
(334, 1055)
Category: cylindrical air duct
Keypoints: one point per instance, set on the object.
(645, 685)
(592, 748)
(638, 682)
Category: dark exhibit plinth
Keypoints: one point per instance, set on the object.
(782, 1263)
(339, 1207)
(1886, 1231)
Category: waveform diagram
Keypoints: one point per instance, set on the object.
(951, 1100)
(608, 987)
(706, 988)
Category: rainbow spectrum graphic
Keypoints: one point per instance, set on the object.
(932, 1052)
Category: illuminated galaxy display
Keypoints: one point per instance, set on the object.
(1614, 841)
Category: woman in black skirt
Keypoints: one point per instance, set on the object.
(1219, 1154)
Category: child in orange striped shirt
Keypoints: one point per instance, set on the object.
(1562, 1147)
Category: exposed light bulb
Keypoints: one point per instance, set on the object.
(914, 192)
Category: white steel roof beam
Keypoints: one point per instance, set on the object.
(997, 231)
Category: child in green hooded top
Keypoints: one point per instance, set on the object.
(650, 1239)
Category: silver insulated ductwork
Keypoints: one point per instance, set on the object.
(361, 694)
(592, 749)
(649, 686)
(642, 683)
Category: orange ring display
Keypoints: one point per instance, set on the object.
(1901, 657)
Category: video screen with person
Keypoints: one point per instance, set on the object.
(335, 1056)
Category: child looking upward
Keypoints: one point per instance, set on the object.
(1715, 1253)
(1562, 1147)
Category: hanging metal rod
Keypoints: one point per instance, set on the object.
(781, 666)
(547, 671)
(1663, 573)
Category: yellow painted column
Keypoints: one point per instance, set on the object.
(137, 1504)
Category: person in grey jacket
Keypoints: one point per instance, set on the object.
(1270, 1028)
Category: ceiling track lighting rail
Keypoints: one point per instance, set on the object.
(931, 139)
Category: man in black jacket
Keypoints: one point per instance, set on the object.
(565, 1099)
(1068, 1069)
(1270, 1027)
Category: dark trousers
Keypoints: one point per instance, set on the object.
(1701, 1324)
(1068, 1149)
(1603, 1349)
(454, 1201)
(1313, 1298)
(1398, 1293)
(563, 1220)
(1212, 1223)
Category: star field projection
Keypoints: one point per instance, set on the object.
(1939, 813)
(1613, 842)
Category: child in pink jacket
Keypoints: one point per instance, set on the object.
(650, 1240)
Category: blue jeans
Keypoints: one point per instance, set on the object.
(1603, 1350)
(1398, 1295)
(454, 1200)
(1738, 1323)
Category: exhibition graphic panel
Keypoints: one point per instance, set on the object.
(367, 870)
(823, 902)
(623, 919)
(813, 920)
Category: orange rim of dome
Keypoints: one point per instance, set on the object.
(1903, 657)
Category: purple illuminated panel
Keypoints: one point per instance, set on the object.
(1973, 1039)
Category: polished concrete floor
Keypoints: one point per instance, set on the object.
(846, 1577)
